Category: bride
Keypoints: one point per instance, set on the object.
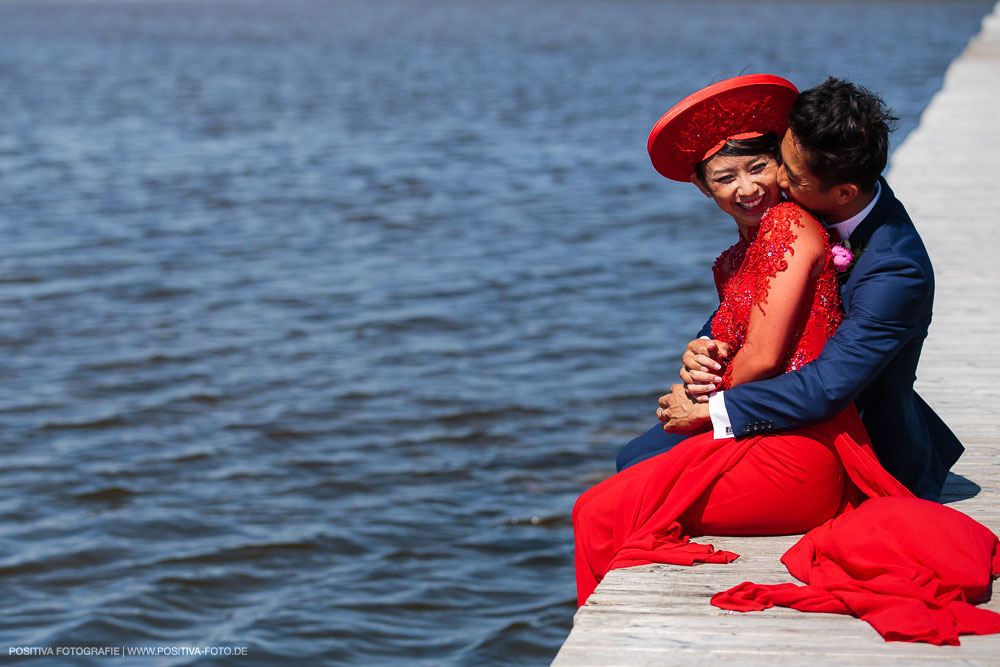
(779, 303)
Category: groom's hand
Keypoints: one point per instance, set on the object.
(680, 414)
(704, 362)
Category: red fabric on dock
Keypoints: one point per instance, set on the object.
(909, 567)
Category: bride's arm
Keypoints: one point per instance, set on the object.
(797, 254)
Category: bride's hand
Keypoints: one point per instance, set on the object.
(704, 362)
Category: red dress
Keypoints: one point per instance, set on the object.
(774, 484)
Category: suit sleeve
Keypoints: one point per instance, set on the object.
(706, 329)
(890, 304)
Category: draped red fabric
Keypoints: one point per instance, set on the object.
(777, 484)
(909, 567)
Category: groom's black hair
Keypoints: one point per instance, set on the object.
(844, 130)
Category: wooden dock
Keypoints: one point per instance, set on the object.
(947, 175)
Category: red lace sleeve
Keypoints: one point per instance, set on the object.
(777, 280)
(777, 235)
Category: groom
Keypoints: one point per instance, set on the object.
(833, 155)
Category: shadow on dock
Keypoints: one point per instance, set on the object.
(957, 488)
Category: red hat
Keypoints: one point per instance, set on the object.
(700, 124)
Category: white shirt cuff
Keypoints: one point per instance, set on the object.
(721, 426)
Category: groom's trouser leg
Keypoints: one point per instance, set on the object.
(652, 442)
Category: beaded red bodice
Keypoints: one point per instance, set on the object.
(743, 276)
(727, 264)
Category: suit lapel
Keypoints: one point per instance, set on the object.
(863, 232)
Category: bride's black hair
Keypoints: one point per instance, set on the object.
(766, 144)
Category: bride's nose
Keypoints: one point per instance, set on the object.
(746, 187)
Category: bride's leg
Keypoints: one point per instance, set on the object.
(594, 518)
(786, 484)
(593, 532)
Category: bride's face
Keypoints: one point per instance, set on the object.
(743, 186)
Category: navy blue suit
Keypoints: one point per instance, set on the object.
(871, 360)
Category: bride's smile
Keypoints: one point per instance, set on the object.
(752, 203)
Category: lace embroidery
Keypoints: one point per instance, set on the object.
(747, 286)
(727, 264)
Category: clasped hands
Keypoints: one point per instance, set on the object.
(685, 408)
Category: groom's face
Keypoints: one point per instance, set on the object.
(800, 184)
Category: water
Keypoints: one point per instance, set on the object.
(317, 316)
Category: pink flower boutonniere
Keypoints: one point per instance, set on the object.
(842, 257)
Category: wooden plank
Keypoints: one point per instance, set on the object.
(945, 173)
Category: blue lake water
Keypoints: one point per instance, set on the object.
(316, 317)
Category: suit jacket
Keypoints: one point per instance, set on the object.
(871, 359)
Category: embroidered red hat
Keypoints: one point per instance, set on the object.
(700, 124)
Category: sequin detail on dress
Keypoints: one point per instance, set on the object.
(747, 287)
(727, 264)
